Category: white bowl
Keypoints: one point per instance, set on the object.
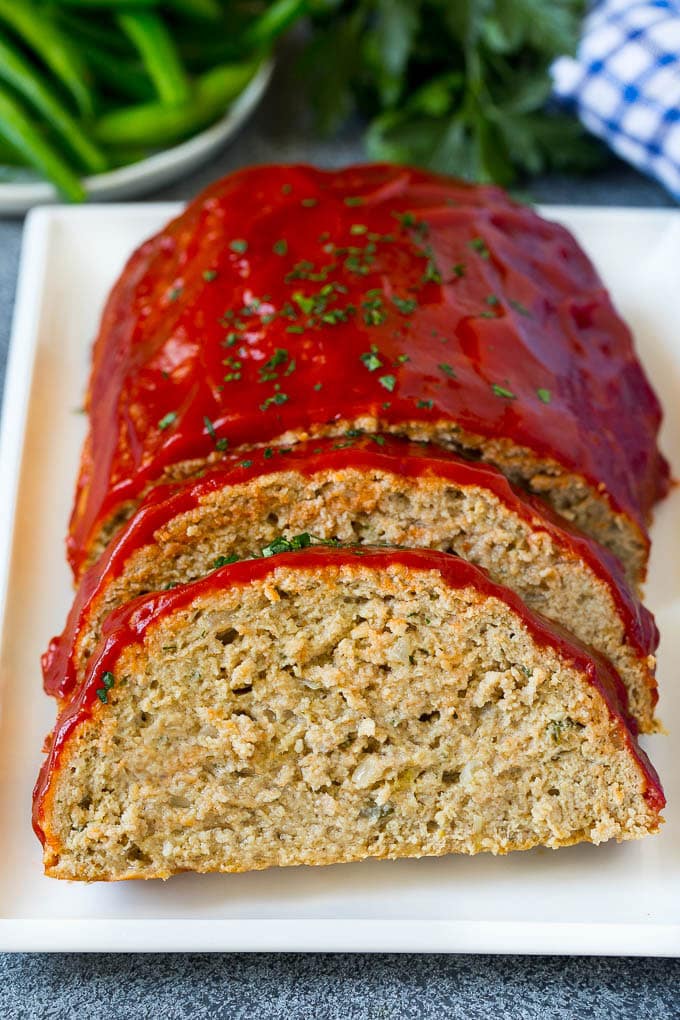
(20, 195)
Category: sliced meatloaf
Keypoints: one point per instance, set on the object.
(289, 302)
(372, 491)
(331, 705)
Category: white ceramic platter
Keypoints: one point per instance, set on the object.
(606, 900)
(19, 195)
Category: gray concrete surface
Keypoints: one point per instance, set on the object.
(298, 987)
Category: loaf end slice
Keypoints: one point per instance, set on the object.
(328, 706)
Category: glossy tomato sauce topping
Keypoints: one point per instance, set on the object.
(285, 298)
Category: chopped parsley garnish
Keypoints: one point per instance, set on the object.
(286, 189)
(358, 228)
(519, 307)
(108, 681)
(295, 329)
(544, 395)
(246, 463)
(279, 357)
(388, 381)
(174, 293)
(371, 359)
(209, 426)
(280, 247)
(431, 274)
(224, 561)
(379, 440)
(167, 420)
(276, 398)
(239, 245)
(406, 219)
(403, 358)
(478, 244)
(458, 269)
(501, 391)
(492, 299)
(268, 453)
(425, 403)
(318, 386)
(353, 200)
(405, 305)
(373, 309)
(221, 444)
(281, 544)
(309, 203)
(447, 370)
(209, 275)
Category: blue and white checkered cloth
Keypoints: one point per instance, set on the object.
(625, 83)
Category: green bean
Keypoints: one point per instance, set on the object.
(158, 52)
(20, 133)
(207, 10)
(9, 155)
(117, 73)
(100, 30)
(276, 19)
(154, 124)
(18, 72)
(190, 8)
(42, 36)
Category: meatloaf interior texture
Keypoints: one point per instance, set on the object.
(328, 706)
(357, 491)
(287, 303)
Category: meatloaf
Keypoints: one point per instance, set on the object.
(366, 490)
(328, 705)
(288, 302)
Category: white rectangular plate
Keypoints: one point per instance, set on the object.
(606, 900)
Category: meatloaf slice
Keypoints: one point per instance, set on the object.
(331, 705)
(364, 490)
(288, 303)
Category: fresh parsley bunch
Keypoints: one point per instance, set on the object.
(456, 85)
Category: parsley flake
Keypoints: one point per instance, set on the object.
(544, 395)
(224, 561)
(447, 370)
(209, 275)
(276, 398)
(108, 681)
(520, 308)
(478, 244)
(353, 200)
(280, 247)
(167, 420)
(405, 305)
(388, 381)
(240, 246)
(501, 391)
(371, 359)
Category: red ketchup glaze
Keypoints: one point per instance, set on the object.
(402, 458)
(127, 626)
(288, 297)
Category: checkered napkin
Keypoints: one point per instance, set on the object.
(625, 83)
